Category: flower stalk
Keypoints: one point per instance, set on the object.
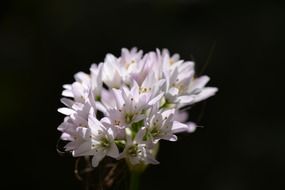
(134, 180)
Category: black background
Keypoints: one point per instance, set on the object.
(242, 146)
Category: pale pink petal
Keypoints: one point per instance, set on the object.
(205, 93)
(179, 127)
(155, 99)
(187, 99)
(113, 151)
(83, 149)
(81, 77)
(67, 102)
(97, 158)
(200, 82)
(66, 111)
(67, 93)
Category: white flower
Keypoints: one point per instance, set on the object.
(78, 91)
(96, 80)
(112, 72)
(129, 62)
(99, 141)
(162, 125)
(142, 69)
(159, 126)
(130, 58)
(182, 88)
(136, 151)
(85, 85)
(74, 123)
(131, 104)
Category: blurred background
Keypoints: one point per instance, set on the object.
(242, 146)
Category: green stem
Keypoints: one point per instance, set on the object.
(134, 180)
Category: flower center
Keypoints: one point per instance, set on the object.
(155, 132)
(133, 151)
(104, 142)
(129, 118)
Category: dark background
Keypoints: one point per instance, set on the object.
(242, 146)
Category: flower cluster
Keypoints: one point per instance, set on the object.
(127, 104)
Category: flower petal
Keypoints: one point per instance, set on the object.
(97, 158)
(67, 102)
(155, 99)
(83, 149)
(178, 127)
(200, 82)
(206, 93)
(185, 99)
(67, 93)
(113, 151)
(66, 111)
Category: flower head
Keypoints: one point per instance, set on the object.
(127, 104)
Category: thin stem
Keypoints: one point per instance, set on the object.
(208, 58)
(134, 180)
